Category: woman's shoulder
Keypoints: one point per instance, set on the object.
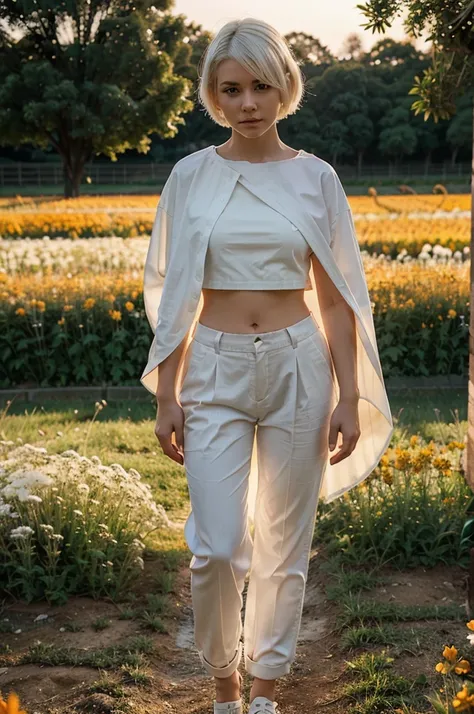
(317, 163)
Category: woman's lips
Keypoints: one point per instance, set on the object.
(251, 121)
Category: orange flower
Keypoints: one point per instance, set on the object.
(11, 706)
(450, 653)
(115, 315)
(463, 667)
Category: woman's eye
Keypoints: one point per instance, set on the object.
(227, 91)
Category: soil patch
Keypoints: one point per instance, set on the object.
(178, 682)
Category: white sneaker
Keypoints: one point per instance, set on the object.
(262, 705)
(228, 707)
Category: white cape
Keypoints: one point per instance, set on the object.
(311, 196)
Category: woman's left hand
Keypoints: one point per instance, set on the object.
(345, 418)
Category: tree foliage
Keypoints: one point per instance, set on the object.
(449, 27)
(90, 78)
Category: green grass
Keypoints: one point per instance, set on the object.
(377, 689)
(131, 654)
(389, 184)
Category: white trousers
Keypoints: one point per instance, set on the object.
(281, 383)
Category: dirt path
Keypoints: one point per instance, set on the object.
(179, 684)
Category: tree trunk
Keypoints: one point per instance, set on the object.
(470, 407)
(73, 168)
(427, 163)
(454, 155)
(360, 156)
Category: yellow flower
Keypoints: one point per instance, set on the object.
(470, 624)
(115, 315)
(41, 305)
(463, 700)
(442, 668)
(21, 311)
(414, 440)
(129, 306)
(68, 308)
(450, 653)
(463, 667)
(11, 706)
(402, 460)
(89, 303)
(61, 321)
(452, 313)
(441, 463)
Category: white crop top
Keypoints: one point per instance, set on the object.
(253, 247)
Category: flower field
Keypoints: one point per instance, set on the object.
(71, 310)
(384, 225)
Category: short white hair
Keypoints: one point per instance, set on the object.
(263, 52)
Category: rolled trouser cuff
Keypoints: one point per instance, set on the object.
(266, 671)
(223, 671)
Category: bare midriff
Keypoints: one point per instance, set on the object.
(252, 311)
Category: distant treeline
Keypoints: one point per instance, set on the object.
(356, 109)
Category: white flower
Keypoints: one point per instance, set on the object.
(5, 509)
(34, 498)
(21, 532)
(77, 512)
(140, 562)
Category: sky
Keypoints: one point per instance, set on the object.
(330, 22)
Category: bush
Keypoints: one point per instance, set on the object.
(70, 525)
(410, 511)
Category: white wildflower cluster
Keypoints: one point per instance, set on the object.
(21, 533)
(21, 482)
(66, 255)
(428, 256)
(84, 483)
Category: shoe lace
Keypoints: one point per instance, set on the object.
(268, 708)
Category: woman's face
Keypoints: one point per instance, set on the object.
(241, 96)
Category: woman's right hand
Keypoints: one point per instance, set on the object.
(170, 419)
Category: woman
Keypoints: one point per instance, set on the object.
(258, 358)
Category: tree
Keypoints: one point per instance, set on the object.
(308, 48)
(398, 137)
(352, 47)
(90, 78)
(459, 134)
(450, 27)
